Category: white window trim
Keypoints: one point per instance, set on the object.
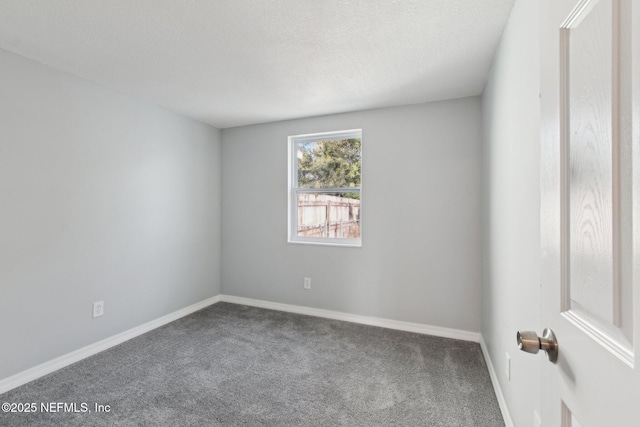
(293, 191)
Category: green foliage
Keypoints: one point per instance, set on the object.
(330, 164)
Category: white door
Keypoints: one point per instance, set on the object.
(590, 211)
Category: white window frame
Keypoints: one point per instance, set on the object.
(294, 190)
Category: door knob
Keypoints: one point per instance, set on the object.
(530, 342)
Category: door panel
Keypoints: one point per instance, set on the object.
(591, 138)
(589, 210)
(585, 45)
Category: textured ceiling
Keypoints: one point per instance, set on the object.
(237, 62)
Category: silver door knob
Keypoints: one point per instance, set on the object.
(530, 342)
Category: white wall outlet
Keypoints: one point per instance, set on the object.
(507, 366)
(98, 309)
(307, 282)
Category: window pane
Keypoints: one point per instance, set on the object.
(333, 215)
(333, 163)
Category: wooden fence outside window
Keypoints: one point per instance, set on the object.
(323, 215)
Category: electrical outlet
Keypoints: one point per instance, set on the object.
(508, 366)
(307, 282)
(98, 309)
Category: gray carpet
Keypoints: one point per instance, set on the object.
(235, 365)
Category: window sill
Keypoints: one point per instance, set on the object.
(357, 244)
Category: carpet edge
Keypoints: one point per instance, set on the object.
(399, 325)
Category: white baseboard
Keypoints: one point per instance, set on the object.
(355, 318)
(77, 355)
(508, 422)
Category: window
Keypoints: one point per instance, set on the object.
(325, 187)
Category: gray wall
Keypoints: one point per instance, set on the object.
(103, 197)
(420, 256)
(511, 211)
